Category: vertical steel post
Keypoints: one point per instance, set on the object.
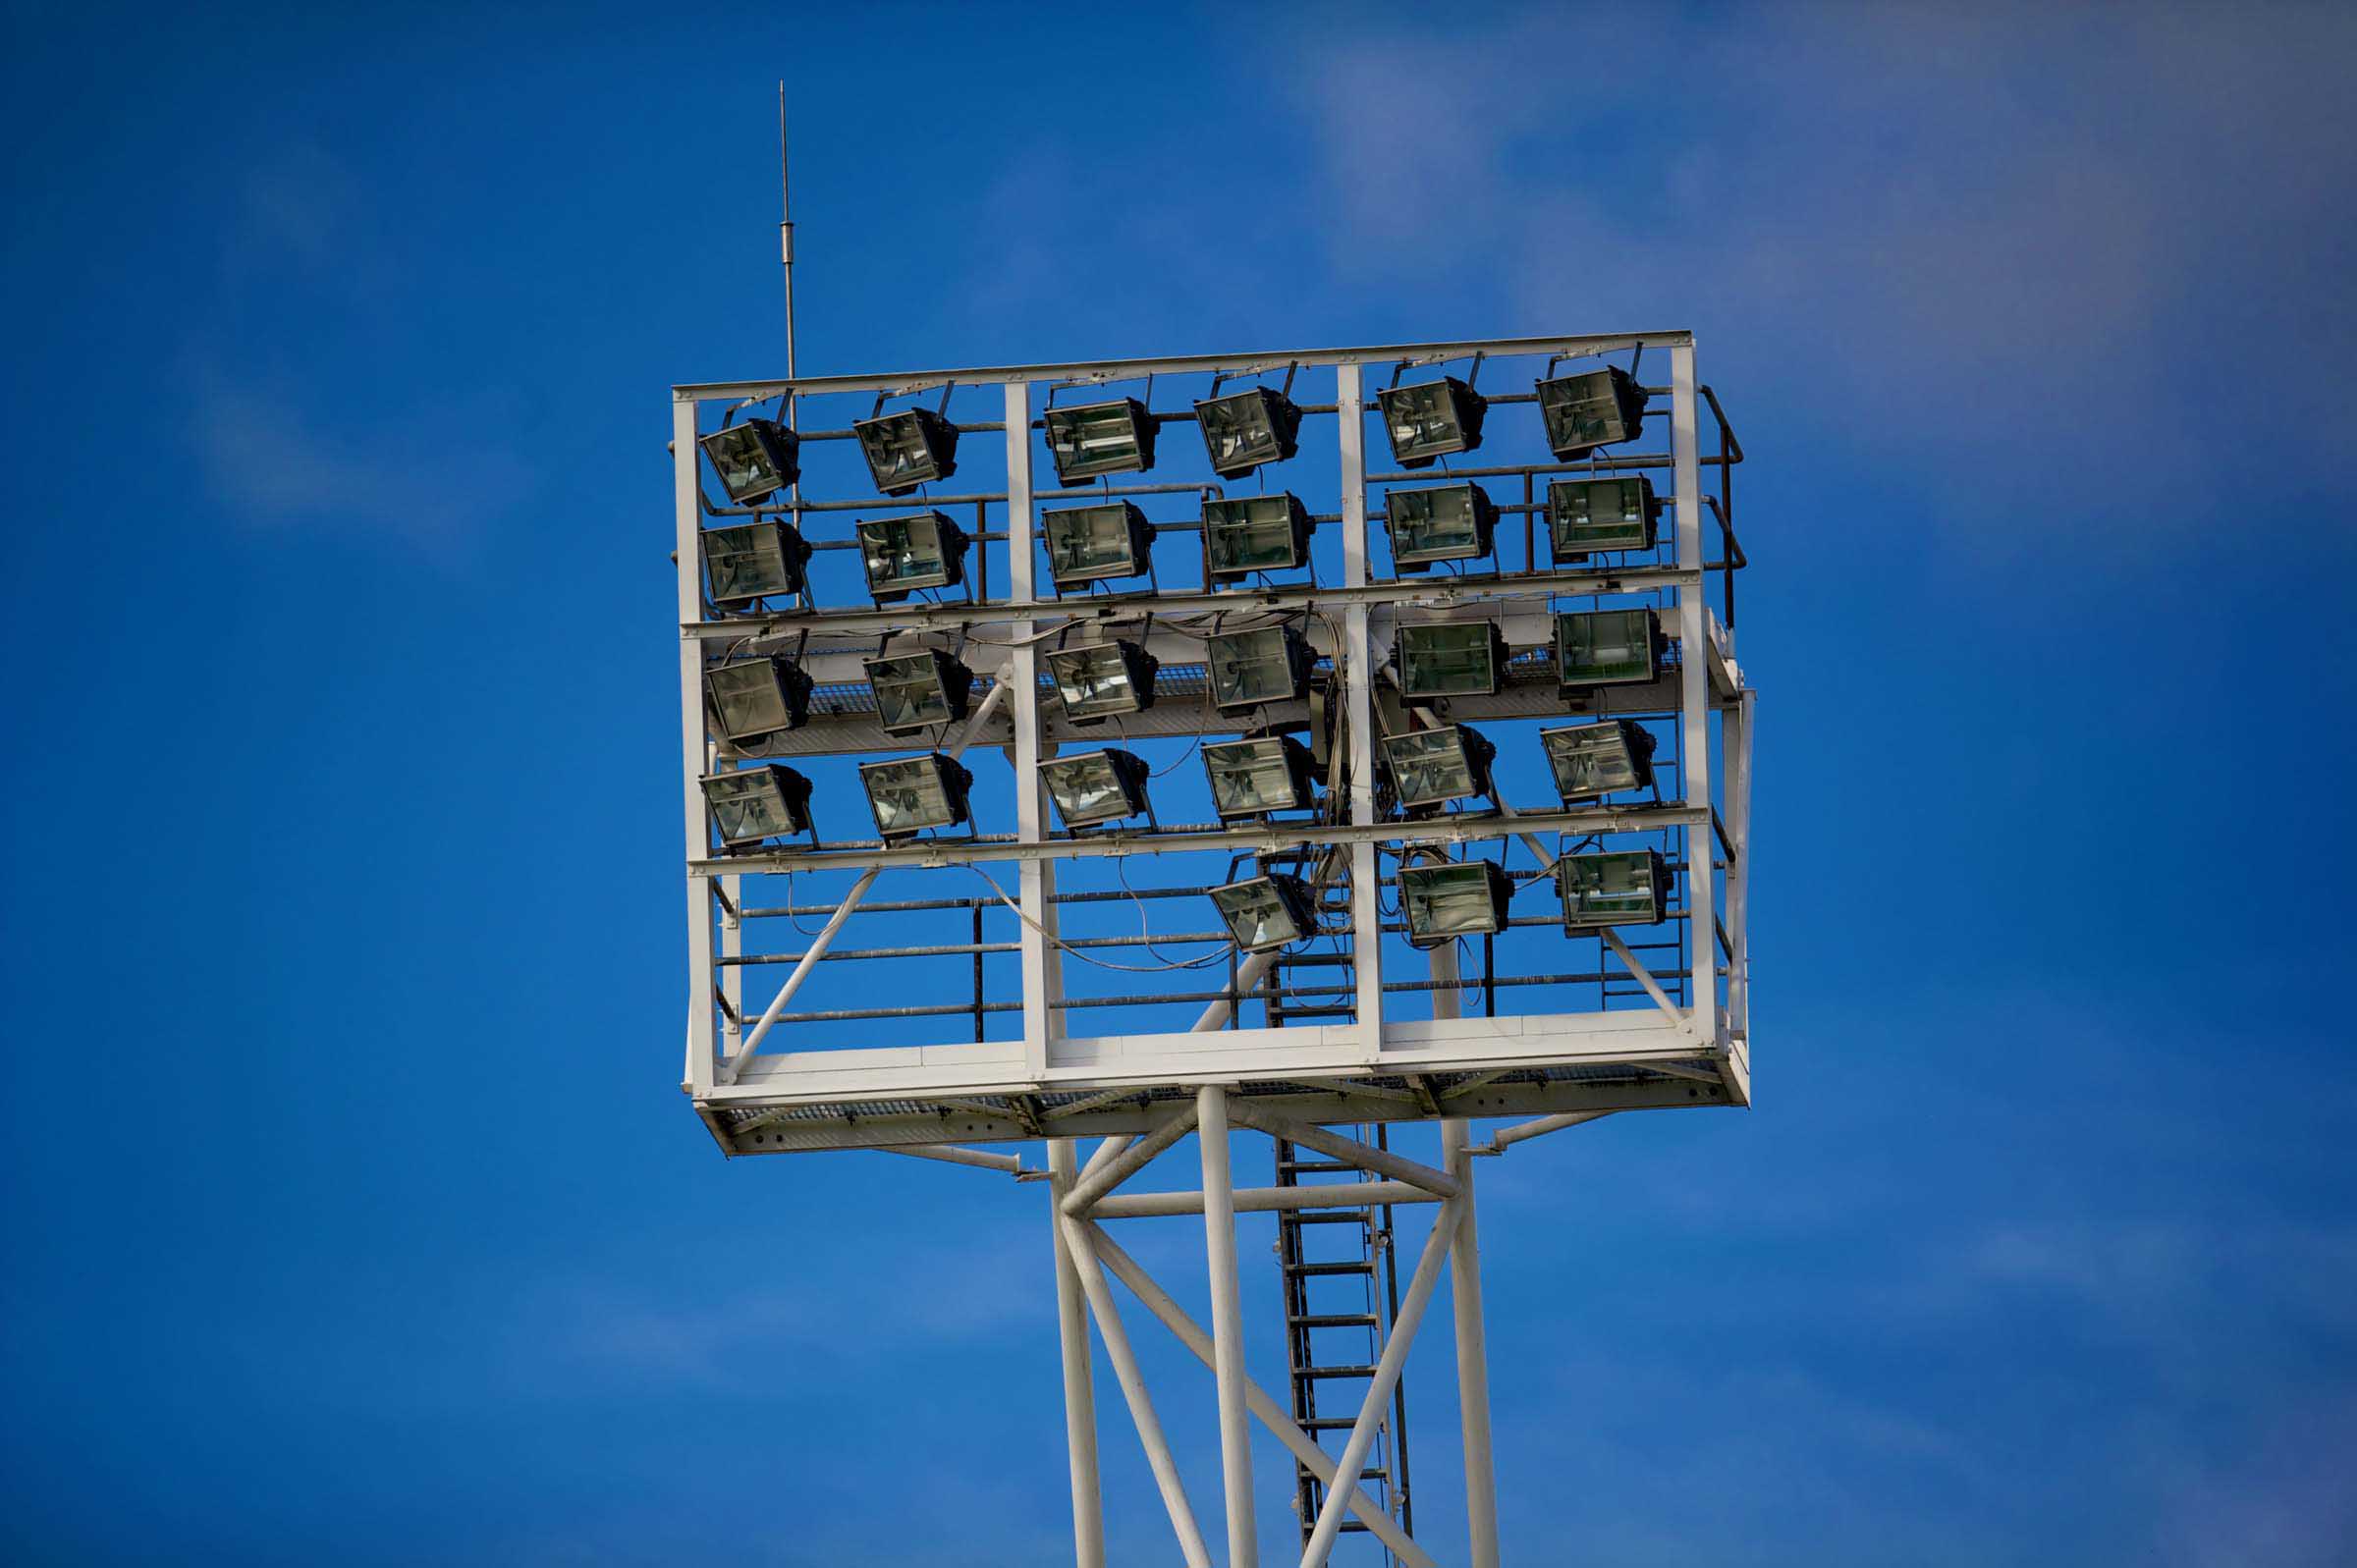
(1354, 665)
(1227, 1324)
(1472, 1355)
(1043, 972)
(703, 1052)
(1694, 699)
(1080, 1390)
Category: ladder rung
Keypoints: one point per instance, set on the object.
(1330, 1423)
(1337, 1320)
(1337, 1372)
(1327, 1217)
(1308, 1166)
(1331, 1269)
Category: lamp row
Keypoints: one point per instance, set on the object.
(1460, 899)
(1426, 420)
(1242, 536)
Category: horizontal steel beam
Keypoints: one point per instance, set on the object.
(1262, 1200)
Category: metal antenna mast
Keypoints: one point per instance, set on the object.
(786, 249)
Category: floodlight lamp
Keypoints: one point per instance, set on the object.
(1103, 678)
(1592, 761)
(1591, 515)
(1096, 544)
(1607, 647)
(1253, 777)
(1252, 668)
(909, 794)
(753, 560)
(755, 697)
(1246, 429)
(1430, 768)
(916, 691)
(1462, 898)
(907, 449)
(1452, 659)
(1245, 534)
(1099, 438)
(1444, 522)
(753, 804)
(1265, 912)
(1594, 408)
(754, 459)
(1618, 887)
(1094, 786)
(901, 555)
(1431, 419)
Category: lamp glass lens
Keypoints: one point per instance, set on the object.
(1582, 412)
(1239, 432)
(1591, 760)
(750, 805)
(1092, 680)
(752, 699)
(1428, 766)
(1086, 788)
(903, 553)
(1600, 514)
(1095, 438)
(1599, 646)
(1443, 901)
(742, 460)
(1256, 914)
(897, 451)
(1252, 533)
(908, 794)
(1087, 543)
(1422, 420)
(909, 692)
(1251, 777)
(1610, 890)
(1250, 666)
(1431, 524)
(1447, 661)
(748, 562)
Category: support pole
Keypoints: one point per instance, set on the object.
(1079, 1392)
(1133, 1388)
(1473, 1357)
(1227, 1324)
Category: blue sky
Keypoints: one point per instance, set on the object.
(354, 1211)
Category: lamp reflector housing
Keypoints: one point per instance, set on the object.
(1253, 777)
(901, 555)
(755, 560)
(1103, 678)
(1445, 522)
(754, 459)
(1619, 887)
(1431, 419)
(1248, 428)
(1249, 668)
(1464, 899)
(1594, 408)
(1094, 786)
(1097, 438)
(1590, 514)
(755, 697)
(1456, 658)
(1266, 911)
(1245, 534)
(751, 804)
(1607, 647)
(907, 449)
(909, 794)
(1094, 544)
(1592, 761)
(916, 691)
(1430, 768)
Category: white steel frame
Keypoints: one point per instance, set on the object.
(1373, 1068)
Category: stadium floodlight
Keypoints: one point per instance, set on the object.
(1431, 420)
(1094, 787)
(753, 804)
(1443, 522)
(1246, 429)
(754, 459)
(907, 449)
(1430, 768)
(901, 555)
(1594, 408)
(1592, 761)
(755, 697)
(1618, 887)
(1245, 534)
(1590, 514)
(1095, 544)
(1451, 659)
(1249, 668)
(755, 560)
(1103, 678)
(1607, 647)
(1268, 912)
(1462, 898)
(1253, 777)
(1098, 438)
(916, 691)
(909, 794)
